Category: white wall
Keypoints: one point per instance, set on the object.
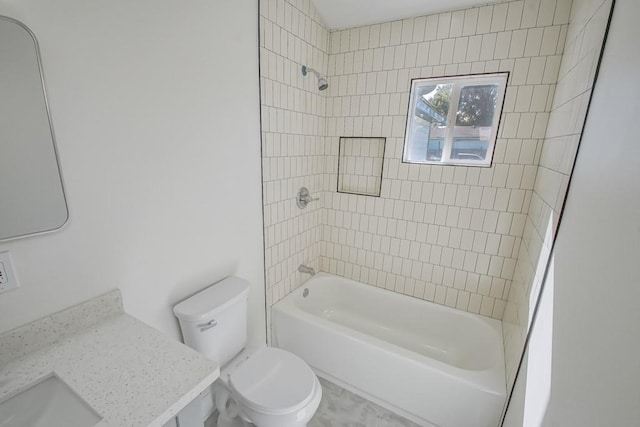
(595, 365)
(156, 112)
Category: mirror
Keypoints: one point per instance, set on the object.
(32, 197)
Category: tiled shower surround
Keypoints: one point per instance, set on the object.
(293, 141)
(448, 234)
(454, 235)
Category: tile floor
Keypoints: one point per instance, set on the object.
(341, 408)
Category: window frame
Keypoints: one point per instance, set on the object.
(458, 82)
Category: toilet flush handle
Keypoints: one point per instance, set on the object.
(210, 324)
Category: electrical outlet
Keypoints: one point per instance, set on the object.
(8, 277)
(3, 275)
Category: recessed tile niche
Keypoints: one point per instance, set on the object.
(360, 165)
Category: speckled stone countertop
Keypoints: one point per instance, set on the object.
(128, 372)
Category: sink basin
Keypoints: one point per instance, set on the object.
(47, 402)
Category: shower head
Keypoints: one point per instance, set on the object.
(322, 82)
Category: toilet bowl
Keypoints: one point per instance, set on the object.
(267, 387)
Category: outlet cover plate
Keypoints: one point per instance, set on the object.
(8, 277)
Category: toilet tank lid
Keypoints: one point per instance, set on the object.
(212, 300)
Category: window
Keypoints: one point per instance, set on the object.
(454, 120)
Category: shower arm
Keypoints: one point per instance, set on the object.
(305, 71)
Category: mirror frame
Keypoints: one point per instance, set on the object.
(51, 130)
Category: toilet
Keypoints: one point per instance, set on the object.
(265, 387)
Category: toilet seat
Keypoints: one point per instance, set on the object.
(274, 382)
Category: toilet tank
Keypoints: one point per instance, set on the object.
(214, 321)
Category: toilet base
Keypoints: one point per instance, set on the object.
(236, 422)
(232, 422)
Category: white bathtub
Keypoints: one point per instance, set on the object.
(432, 364)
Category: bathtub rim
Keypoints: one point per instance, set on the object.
(491, 380)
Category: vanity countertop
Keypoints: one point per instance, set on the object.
(128, 372)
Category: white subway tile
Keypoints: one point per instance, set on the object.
(464, 68)
(475, 302)
(520, 71)
(463, 300)
(488, 197)
(547, 11)
(473, 282)
(407, 31)
(486, 309)
(488, 46)
(498, 309)
(363, 38)
(418, 29)
(431, 28)
(399, 57)
(534, 42)
(354, 39)
(498, 21)
(526, 125)
(422, 58)
(395, 37)
(374, 36)
(444, 25)
(470, 21)
(460, 50)
(457, 23)
(514, 15)
(518, 42)
(435, 50)
(539, 98)
(490, 221)
(530, 13)
(561, 15)
(523, 100)
(484, 19)
(448, 46)
(473, 49)
(385, 34)
(410, 57)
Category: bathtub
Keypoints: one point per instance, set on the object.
(434, 365)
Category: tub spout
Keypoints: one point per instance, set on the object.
(305, 269)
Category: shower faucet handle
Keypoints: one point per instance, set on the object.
(304, 197)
